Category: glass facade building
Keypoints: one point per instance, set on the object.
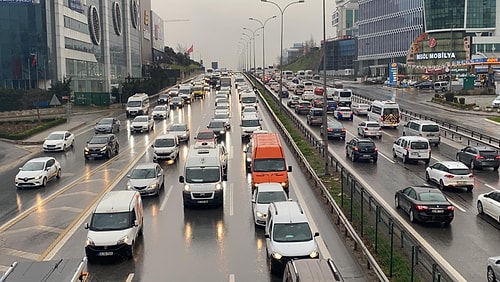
(96, 43)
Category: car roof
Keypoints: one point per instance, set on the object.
(146, 165)
(269, 187)
(483, 148)
(454, 164)
(344, 108)
(363, 139)
(371, 122)
(414, 138)
(425, 188)
(40, 159)
(116, 201)
(166, 136)
(59, 132)
(287, 212)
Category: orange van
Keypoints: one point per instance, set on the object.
(268, 160)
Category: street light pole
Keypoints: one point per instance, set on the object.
(253, 37)
(325, 98)
(282, 11)
(263, 25)
(250, 48)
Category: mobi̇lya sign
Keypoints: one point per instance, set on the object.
(436, 55)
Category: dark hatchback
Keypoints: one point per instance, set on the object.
(424, 84)
(361, 149)
(334, 129)
(101, 146)
(479, 157)
(303, 107)
(425, 204)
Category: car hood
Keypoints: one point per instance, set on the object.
(53, 142)
(159, 112)
(108, 237)
(164, 149)
(137, 123)
(103, 126)
(290, 249)
(23, 173)
(141, 182)
(94, 146)
(261, 208)
(202, 187)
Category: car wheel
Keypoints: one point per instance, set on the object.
(427, 177)
(346, 153)
(479, 207)
(44, 182)
(375, 160)
(441, 185)
(64, 147)
(117, 149)
(469, 188)
(394, 154)
(396, 202)
(427, 161)
(131, 253)
(412, 216)
(108, 154)
(405, 159)
(380, 136)
(72, 144)
(495, 168)
(353, 158)
(472, 166)
(491, 275)
(58, 175)
(270, 263)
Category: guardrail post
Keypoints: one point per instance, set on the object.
(391, 263)
(402, 239)
(352, 200)
(412, 263)
(377, 219)
(362, 192)
(342, 188)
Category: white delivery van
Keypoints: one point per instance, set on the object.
(115, 225)
(204, 174)
(137, 104)
(386, 113)
(248, 99)
(343, 97)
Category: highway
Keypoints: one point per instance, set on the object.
(178, 244)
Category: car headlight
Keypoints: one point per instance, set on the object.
(218, 186)
(222, 132)
(86, 149)
(103, 149)
(314, 254)
(38, 176)
(130, 186)
(123, 240)
(187, 187)
(89, 242)
(260, 214)
(276, 256)
(283, 184)
(154, 185)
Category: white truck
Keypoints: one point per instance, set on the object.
(137, 104)
(64, 270)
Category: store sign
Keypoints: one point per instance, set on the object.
(436, 55)
(21, 1)
(76, 5)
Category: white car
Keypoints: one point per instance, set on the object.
(225, 117)
(308, 96)
(248, 110)
(37, 172)
(141, 124)
(489, 203)
(343, 113)
(58, 141)
(493, 270)
(263, 195)
(160, 112)
(450, 174)
(412, 148)
(370, 128)
(181, 130)
(496, 102)
(147, 179)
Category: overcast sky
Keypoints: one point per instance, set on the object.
(215, 27)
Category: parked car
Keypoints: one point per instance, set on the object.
(370, 128)
(147, 179)
(58, 141)
(334, 129)
(450, 174)
(425, 204)
(479, 157)
(489, 204)
(107, 125)
(496, 102)
(361, 149)
(493, 269)
(142, 124)
(101, 146)
(424, 84)
(341, 113)
(37, 172)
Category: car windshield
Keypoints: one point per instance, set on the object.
(216, 124)
(221, 116)
(202, 174)
(292, 232)
(419, 145)
(251, 99)
(160, 108)
(431, 197)
(270, 196)
(391, 111)
(140, 119)
(366, 145)
(106, 121)
(250, 122)
(56, 136)
(459, 171)
(269, 165)
(205, 135)
(345, 94)
(33, 166)
(143, 173)
(249, 110)
(98, 140)
(134, 104)
(222, 107)
(178, 127)
(110, 221)
(430, 128)
(170, 142)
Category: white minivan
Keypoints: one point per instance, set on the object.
(115, 225)
(412, 148)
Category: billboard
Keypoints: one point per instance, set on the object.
(157, 32)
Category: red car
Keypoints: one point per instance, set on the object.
(206, 136)
(319, 90)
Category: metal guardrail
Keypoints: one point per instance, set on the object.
(377, 222)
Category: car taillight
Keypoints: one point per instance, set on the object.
(497, 157)
(449, 175)
(343, 130)
(366, 128)
(376, 149)
(355, 148)
(330, 129)
(479, 157)
(421, 208)
(471, 175)
(450, 208)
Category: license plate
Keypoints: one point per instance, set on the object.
(431, 134)
(438, 211)
(462, 182)
(202, 202)
(105, 254)
(366, 156)
(414, 153)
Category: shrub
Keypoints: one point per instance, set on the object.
(449, 96)
(461, 100)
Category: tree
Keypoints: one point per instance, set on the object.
(61, 88)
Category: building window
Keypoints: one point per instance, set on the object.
(94, 25)
(117, 18)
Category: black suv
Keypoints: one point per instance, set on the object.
(479, 157)
(361, 149)
(101, 146)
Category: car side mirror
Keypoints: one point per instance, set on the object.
(289, 168)
(267, 236)
(253, 201)
(316, 234)
(136, 223)
(86, 226)
(128, 175)
(152, 145)
(224, 177)
(181, 179)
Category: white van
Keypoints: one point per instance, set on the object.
(440, 86)
(248, 99)
(424, 128)
(343, 97)
(386, 113)
(137, 104)
(204, 173)
(308, 86)
(115, 225)
(166, 147)
(412, 148)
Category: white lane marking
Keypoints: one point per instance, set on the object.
(164, 203)
(457, 206)
(18, 253)
(130, 277)
(489, 186)
(323, 250)
(231, 200)
(231, 278)
(387, 158)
